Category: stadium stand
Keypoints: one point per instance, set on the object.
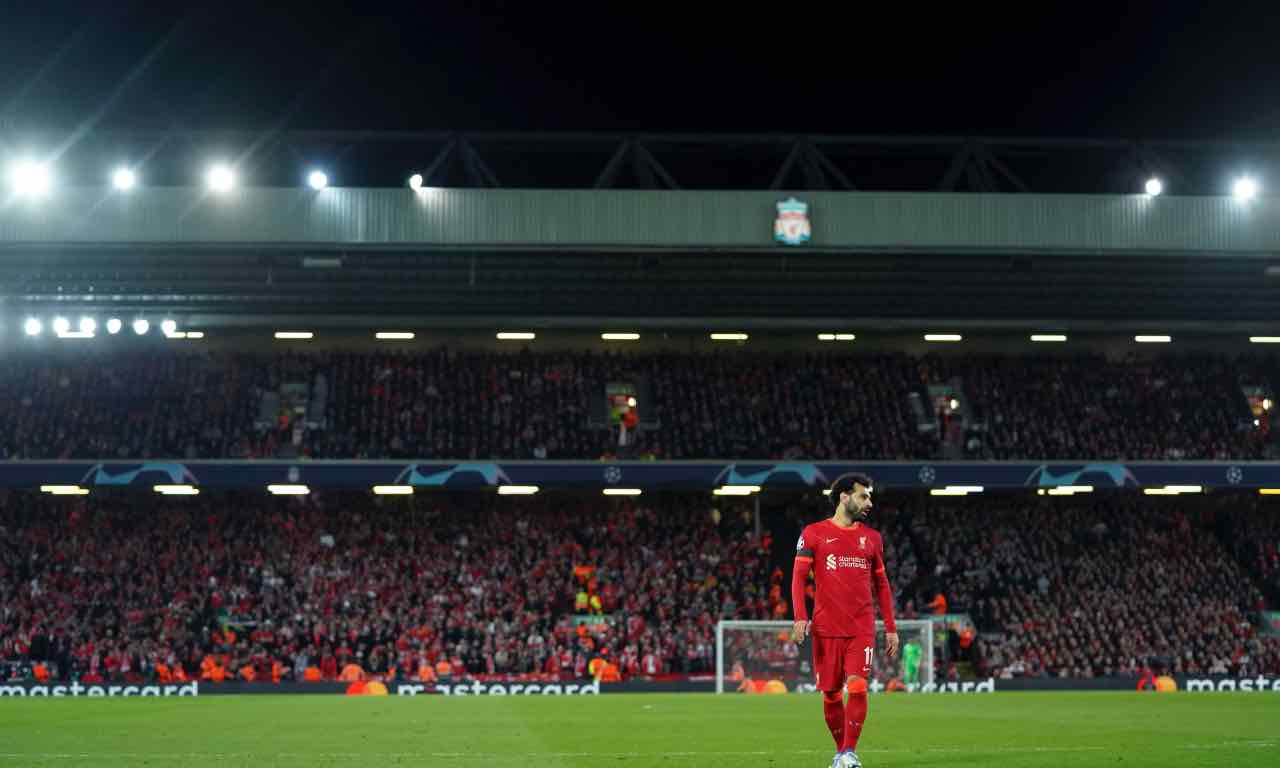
(131, 405)
(448, 404)
(118, 587)
(1255, 539)
(1105, 586)
(1085, 407)
(122, 587)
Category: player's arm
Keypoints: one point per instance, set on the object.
(884, 595)
(799, 575)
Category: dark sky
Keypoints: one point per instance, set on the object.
(1163, 70)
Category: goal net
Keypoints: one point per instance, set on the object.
(759, 657)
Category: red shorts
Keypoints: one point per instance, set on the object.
(836, 659)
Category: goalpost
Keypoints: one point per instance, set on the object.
(763, 651)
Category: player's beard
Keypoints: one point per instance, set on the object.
(856, 516)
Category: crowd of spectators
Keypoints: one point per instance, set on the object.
(448, 403)
(525, 405)
(1090, 408)
(1102, 586)
(338, 585)
(231, 586)
(1253, 529)
(111, 405)
(343, 586)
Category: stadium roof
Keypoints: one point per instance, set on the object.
(465, 253)
(364, 256)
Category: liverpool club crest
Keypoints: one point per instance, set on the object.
(792, 225)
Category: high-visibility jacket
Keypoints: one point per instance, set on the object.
(351, 673)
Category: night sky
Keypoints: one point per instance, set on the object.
(1161, 70)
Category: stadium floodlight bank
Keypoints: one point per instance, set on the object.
(761, 648)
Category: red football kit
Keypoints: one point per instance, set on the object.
(849, 567)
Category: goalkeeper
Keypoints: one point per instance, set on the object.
(911, 653)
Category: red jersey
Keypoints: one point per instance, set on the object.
(848, 568)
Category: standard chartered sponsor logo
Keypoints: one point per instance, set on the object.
(845, 561)
(477, 688)
(77, 690)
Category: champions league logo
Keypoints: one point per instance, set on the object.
(1104, 474)
(129, 474)
(791, 227)
(468, 475)
(764, 474)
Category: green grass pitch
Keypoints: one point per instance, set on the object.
(1008, 730)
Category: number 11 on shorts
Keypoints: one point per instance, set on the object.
(867, 651)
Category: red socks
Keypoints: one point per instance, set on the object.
(833, 709)
(855, 713)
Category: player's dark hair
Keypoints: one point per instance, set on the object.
(845, 484)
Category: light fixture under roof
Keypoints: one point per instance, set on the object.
(1173, 490)
(517, 490)
(64, 490)
(956, 490)
(736, 490)
(1067, 490)
(177, 490)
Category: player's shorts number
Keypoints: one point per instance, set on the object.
(867, 651)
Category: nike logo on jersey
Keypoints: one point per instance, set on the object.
(831, 540)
